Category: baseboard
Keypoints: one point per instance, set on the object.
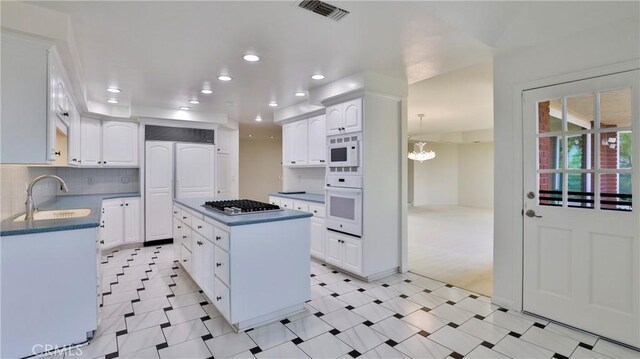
(157, 242)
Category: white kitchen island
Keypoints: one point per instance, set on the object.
(254, 267)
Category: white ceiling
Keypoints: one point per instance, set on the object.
(161, 53)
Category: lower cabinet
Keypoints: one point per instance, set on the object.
(318, 238)
(120, 222)
(318, 228)
(344, 251)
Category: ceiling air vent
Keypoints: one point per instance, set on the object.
(323, 9)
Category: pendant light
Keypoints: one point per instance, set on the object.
(422, 155)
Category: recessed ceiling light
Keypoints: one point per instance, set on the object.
(112, 100)
(258, 118)
(184, 108)
(251, 58)
(114, 90)
(206, 91)
(250, 135)
(194, 102)
(317, 77)
(300, 94)
(271, 137)
(224, 78)
(273, 104)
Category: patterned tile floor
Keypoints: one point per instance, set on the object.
(152, 309)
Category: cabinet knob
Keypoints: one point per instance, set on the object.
(175, 212)
(183, 217)
(199, 227)
(299, 208)
(65, 114)
(199, 243)
(314, 211)
(218, 238)
(179, 227)
(99, 162)
(184, 236)
(102, 241)
(126, 204)
(184, 260)
(102, 226)
(121, 204)
(105, 162)
(218, 264)
(218, 299)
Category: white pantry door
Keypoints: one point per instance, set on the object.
(158, 190)
(581, 209)
(195, 170)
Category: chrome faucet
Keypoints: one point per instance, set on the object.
(30, 206)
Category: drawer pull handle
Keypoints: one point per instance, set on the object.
(102, 226)
(199, 243)
(218, 238)
(199, 227)
(183, 237)
(184, 260)
(175, 212)
(314, 211)
(179, 227)
(218, 264)
(218, 299)
(102, 241)
(183, 217)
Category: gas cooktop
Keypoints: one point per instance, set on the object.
(240, 206)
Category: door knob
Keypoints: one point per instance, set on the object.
(532, 214)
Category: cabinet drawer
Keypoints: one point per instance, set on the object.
(186, 237)
(185, 258)
(274, 200)
(221, 238)
(317, 210)
(222, 299)
(301, 206)
(202, 227)
(286, 203)
(222, 266)
(177, 212)
(185, 217)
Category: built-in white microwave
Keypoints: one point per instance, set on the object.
(344, 154)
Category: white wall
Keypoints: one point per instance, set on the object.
(310, 180)
(260, 168)
(475, 175)
(99, 180)
(565, 59)
(436, 180)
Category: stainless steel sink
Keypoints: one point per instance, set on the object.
(57, 214)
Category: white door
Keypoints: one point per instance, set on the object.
(581, 227)
(223, 174)
(90, 142)
(113, 218)
(158, 189)
(352, 254)
(74, 137)
(132, 223)
(334, 249)
(222, 144)
(317, 140)
(300, 149)
(352, 114)
(195, 170)
(334, 120)
(119, 143)
(287, 143)
(318, 237)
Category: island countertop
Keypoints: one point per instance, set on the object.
(94, 202)
(195, 205)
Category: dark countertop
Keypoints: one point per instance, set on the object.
(92, 201)
(195, 204)
(309, 197)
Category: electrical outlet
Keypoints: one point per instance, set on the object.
(91, 180)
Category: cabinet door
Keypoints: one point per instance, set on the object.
(113, 218)
(177, 233)
(300, 151)
(352, 260)
(274, 200)
(287, 144)
(222, 143)
(317, 140)
(74, 137)
(90, 142)
(334, 249)
(197, 257)
(158, 189)
(318, 238)
(334, 120)
(195, 170)
(208, 268)
(223, 174)
(119, 143)
(352, 116)
(132, 223)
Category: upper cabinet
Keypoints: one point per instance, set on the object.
(30, 72)
(345, 117)
(303, 142)
(108, 143)
(223, 141)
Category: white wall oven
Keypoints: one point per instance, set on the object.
(344, 210)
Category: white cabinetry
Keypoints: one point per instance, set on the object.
(120, 222)
(223, 173)
(318, 237)
(344, 251)
(318, 233)
(108, 143)
(345, 117)
(195, 170)
(158, 179)
(74, 137)
(303, 142)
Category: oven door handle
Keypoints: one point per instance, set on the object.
(343, 189)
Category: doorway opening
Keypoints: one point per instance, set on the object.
(450, 216)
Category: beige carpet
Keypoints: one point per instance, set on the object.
(453, 244)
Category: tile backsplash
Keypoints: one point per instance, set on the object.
(14, 179)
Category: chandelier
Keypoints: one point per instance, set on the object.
(422, 155)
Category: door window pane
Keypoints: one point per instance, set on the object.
(616, 191)
(580, 151)
(550, 116)
(581, 190)
(615, 108)
(550, 153)
(550, 189)
(580, 112)
(616, 149)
